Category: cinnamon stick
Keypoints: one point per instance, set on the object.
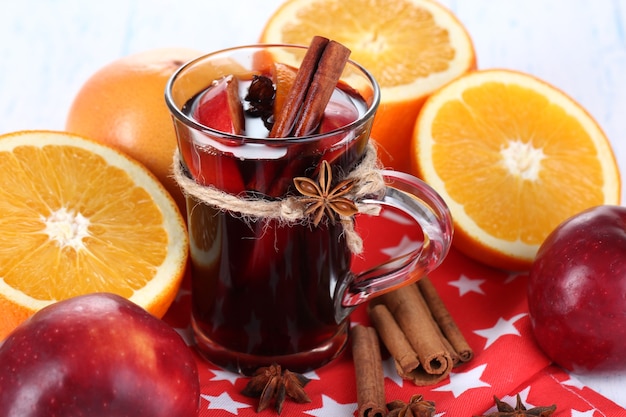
(313, 86)
(325, 79)
(411, 312)
(285, 120)
(369, 372)
(413, 322)
(456, 360)
(444, 320)
(391, 334)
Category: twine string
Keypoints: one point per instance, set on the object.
(290, 210)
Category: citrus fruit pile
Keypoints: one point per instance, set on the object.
(79, 217)
(511, 155)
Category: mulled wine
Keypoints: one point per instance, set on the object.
(263, 289)
(278, 286)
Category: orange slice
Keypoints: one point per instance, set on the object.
(284, 76)
(78, 217)
(513, 157)
(412, 47)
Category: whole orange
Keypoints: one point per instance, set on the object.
(123, 105)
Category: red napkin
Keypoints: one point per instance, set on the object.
(490, 308)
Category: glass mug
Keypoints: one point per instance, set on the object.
(265, 290)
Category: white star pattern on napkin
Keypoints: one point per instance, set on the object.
(224, 402)
(406, 245)
(225, 376)
(187, 334)
(501, 328)
(467, 285)
(331, 407)
(513, 276)
(465, 381)
(312, 375)
(573, 382)
(390, 371)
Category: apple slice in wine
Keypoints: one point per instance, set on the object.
(220, 108)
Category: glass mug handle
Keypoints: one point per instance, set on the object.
(428, 210)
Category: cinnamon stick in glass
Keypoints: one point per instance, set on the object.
(325, 79)
(315, 81)
(368, 368)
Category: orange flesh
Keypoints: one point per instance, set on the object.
(495, 120)
(401, 43)
(99, 234)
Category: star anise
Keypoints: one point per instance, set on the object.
(321, 199)
(416, 407)
(271, 383)
(505, 410)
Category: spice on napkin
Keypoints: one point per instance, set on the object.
(419, 333)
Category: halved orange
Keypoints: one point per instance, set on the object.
(513, 157)
(412, 47)
(78, 217)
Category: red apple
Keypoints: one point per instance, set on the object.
(220, 107)
(97, 355)
(577, 291)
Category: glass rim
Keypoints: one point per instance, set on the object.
(176, 112)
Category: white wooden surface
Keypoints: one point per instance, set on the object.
(48, 48)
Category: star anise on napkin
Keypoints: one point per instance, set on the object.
(505, 410)
(321, 199)
(271, 383)
(416, 407)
